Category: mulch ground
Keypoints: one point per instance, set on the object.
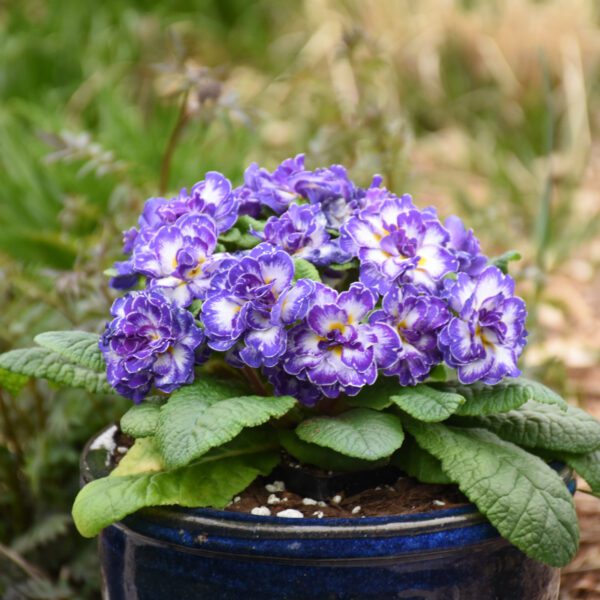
(581, 578)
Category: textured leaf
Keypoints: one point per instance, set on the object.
(439, 373)
(352, 264)
(247, 241)
(544, 426)
(324, 458)
(419, 464)
(426, 403)
(45, 364)
(361, 433)
(12, 382)
(305, 270)
(519, 493)
(192, 423)
(212, 481)
(247, 223)
(233, 235)
(587, 466)
(79, 347)
(507, 395)
(143, 457)
(377, 396)
(141, 420)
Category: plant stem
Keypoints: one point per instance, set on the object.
(255, 381)
(165, 165)
(31, 570)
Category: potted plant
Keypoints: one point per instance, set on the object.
(300, 336)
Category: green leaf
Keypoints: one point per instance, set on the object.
(212, 481)
(78, 347)
(519, 493)
(361, 433)
(502, 261)
(347, 266)
(426, 403)
(246, 223)
(377, 396)
(587, 466)
(192, 423)
(141, 420)
(544, 426)
(13, 383)
(143, 457)
(419, 464)
(305, 270)
(247, 241)
(324, 458)
(231, 236)
(507, 395)
(45, 364)
(439, 373)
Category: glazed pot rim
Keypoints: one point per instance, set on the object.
(244, 524)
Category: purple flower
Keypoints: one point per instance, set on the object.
(417, 318)
(177, 259)
(331, 188)
(301, 232)
(466, 247)
(274, 190)
(332, 349)
(252, 302)
(289, 385)
(149, 342)
(487, 335)
(397, 244)
(212, 196)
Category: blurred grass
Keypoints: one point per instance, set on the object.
(489, 109)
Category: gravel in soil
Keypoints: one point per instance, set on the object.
(404, 497)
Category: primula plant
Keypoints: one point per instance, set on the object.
(300, 313)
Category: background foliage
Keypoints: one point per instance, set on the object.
(488, 109)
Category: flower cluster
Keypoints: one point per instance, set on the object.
(149, 342)
(392, 291)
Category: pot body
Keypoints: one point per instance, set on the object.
(167, 553)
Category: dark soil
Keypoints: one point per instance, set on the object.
(405, 496)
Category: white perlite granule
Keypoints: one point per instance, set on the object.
(319, 514)
(290, 513)
(273, 499)
(261, 511)
(276, 486)
(309, 502)
(336, 499)
(356, 510)
(439, 503)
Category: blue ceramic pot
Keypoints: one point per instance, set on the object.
(175, 553)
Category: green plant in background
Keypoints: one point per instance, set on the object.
(90, 97)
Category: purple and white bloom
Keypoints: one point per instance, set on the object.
(178, 258)
(252, 303)
(290, 385)
(213, 197)
(466, 247)
(150, 341)
(331, 188)
(487, 335)
(274, 190)
(398, 244)
(301, 232)
(333, 349)
(417, 318)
